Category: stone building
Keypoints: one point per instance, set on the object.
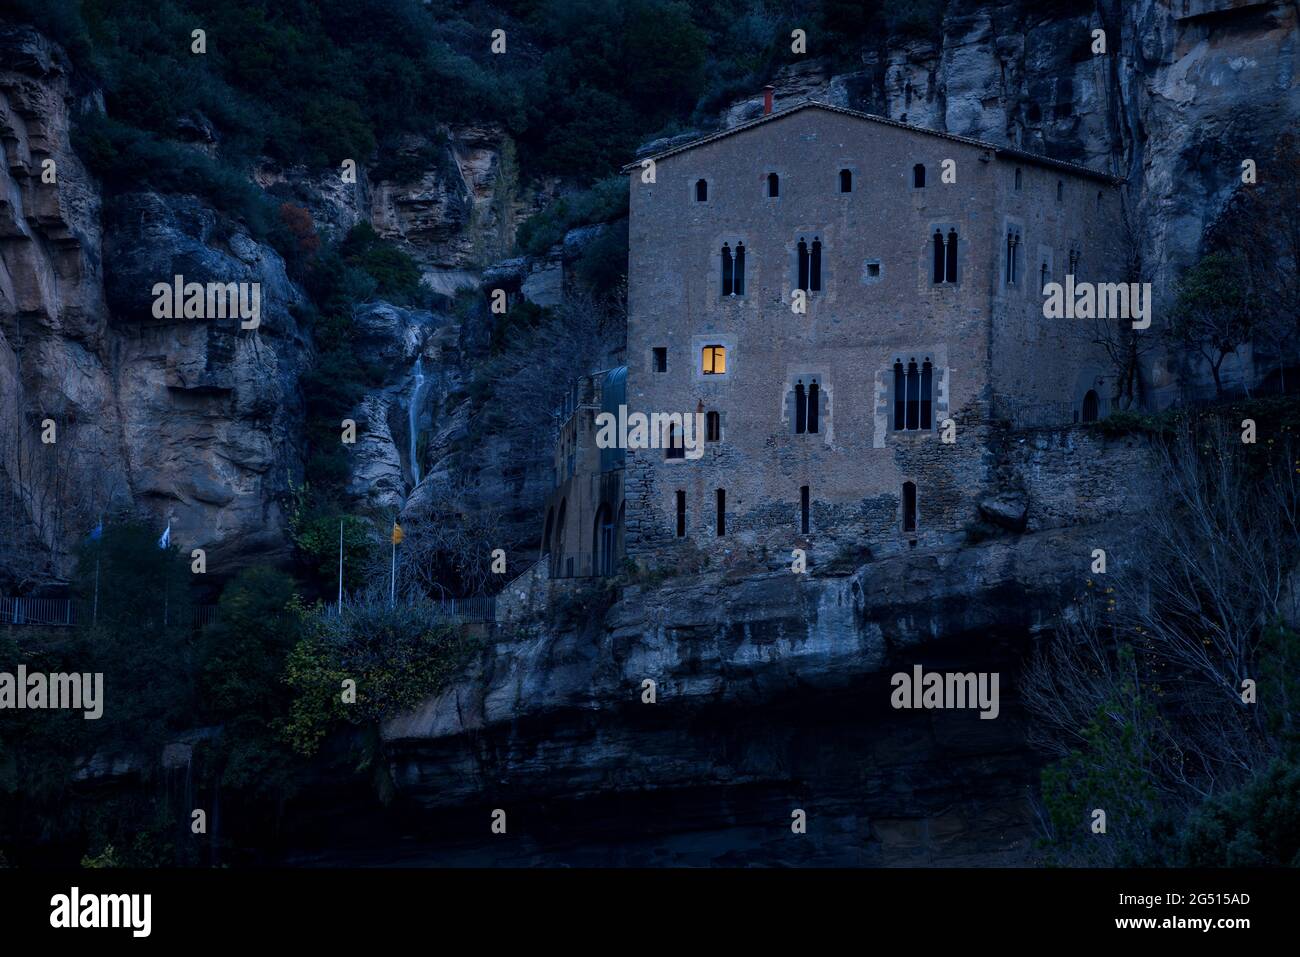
(856, 307)
(583, 533)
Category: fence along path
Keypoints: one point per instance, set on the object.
(70, 613)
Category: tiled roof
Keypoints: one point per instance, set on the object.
(1002, 151)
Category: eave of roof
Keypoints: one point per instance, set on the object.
(1001, 151)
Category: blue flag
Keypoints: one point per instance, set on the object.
(97, 532)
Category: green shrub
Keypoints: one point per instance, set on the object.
(396, 655)
(603, 202)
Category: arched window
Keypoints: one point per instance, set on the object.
(602, 542)
(739, 288)
(918, 176)
(938, 256)
(814, 398)
(846, 181)
(1018, 178)
(815, 267)
(951, 275)
(913, 395)
(712, 427)
(900, 398)
(1091, 406)
(909, 506)
(927, 392)
(701, 191)
(1013, 241)
(728, 272)
(803, 265)
(673, 446)
(800, 409)
(773, 185)
(713, 360)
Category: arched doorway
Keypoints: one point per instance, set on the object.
(557, 548)
(1091, 404)
(602, 543)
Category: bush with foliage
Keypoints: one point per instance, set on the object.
(397, 655)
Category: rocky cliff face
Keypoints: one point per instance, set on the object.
(192, 420)
(772, 693)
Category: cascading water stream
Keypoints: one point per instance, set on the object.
(414, 419)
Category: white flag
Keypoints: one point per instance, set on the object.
(166, 537)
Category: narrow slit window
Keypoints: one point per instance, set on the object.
(918, 176)
(661, 358)
(773, 185)
(951, 270)
(681, 513)
(939, 259)
(803, 509)
(738, 288)
(803, 266)
(701, 191)
(909, 506)
(722, 512)
(1018, 177)
(728, 272)
(712, 427)
(800, 409)
(1060, 191)
(1043, 276)
(673, 445)
(846, 181)
(815, 267)
(814, 397)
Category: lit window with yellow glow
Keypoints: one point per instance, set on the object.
(714, 360)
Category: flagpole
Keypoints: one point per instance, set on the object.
(340, 566)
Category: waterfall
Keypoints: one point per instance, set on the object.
(414, 416)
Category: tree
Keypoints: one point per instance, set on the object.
(1260, 228)
(1144, 679)
(1215, 313)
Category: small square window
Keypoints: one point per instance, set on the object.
(661, 359)
(713, 360)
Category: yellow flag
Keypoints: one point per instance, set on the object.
(397, 534)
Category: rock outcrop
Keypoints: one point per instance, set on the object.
(192, 420)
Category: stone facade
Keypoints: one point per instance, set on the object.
(583, 534)
(846, 184)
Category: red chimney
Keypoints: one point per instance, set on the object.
(767, 98)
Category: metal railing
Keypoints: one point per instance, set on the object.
(584, 565)
(69, 613)
(61, 612)
(477, 608)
